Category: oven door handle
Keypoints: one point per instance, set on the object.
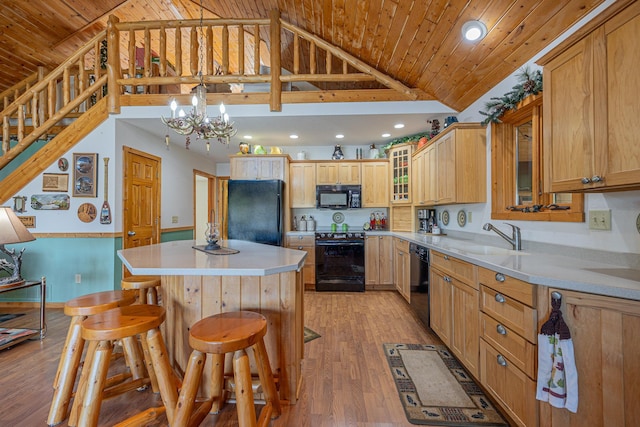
(338, 243)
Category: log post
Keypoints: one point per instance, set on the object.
(276, 86)
(113, 65)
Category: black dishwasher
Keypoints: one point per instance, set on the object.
(419, 282)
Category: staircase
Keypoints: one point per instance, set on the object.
(61, 107)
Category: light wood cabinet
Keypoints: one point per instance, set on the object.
(307, 244)
(378, 262)
(590, 108)
(302, 185)
(455, 307)
(453, 166)
(250, 166)
(375, 184)
(508, 344)
(604, 331)
(402, 267)
(400, 173)
(345, 173)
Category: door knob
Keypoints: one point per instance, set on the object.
(131, 233)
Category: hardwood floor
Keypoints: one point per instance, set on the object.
(346, 380)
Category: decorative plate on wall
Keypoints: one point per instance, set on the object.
(445, 217)
(338, 217)
(87, 212)
(462, 218)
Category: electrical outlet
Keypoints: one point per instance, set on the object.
(78, 278)
(600, 219)
(174, 219)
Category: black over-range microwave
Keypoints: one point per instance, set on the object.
(338, 196)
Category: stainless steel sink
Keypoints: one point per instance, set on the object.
(486, 250)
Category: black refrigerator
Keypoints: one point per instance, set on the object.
(255, 211)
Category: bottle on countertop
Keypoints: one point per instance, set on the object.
(431, 222)
(311, 224)
(302, 224)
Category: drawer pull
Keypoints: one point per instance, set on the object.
(446, 257)
(501, 360)
(501, 330)
(500, 298)
(300, 248)
(447, 279)
(300, 237)
(499, 277)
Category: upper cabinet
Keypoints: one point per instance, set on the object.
(345, 173)
(453, 167)
(302, 185)
(250, 166)
(591, 103)
(400, 161)
(375, 188)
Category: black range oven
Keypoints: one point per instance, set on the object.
(340, 262)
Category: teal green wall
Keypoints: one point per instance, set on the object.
(60, 259)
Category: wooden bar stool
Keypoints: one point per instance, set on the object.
(218, 335)
(147, 287)
(79, 309)
(101, 331)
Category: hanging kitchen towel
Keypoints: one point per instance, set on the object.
(557, 374)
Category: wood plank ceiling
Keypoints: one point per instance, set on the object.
(414, 41)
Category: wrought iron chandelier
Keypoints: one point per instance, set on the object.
(197, 121)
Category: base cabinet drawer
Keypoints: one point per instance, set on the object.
(521, 352)
(515, 391)
(510, 312)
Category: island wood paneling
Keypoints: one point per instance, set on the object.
(278, 297)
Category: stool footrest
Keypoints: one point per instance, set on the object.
(143, 418)
(265, 415)
(123, 388)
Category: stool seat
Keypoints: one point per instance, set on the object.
(122, 322)
(146, 286)
(88, 305)
(227, 332)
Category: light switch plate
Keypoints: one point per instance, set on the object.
(600, 219)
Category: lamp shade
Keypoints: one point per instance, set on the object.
(11, 228)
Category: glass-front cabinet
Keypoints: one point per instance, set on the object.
(400, 161)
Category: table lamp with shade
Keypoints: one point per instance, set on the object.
(12, 231)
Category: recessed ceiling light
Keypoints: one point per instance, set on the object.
(398, 125)
(247, 137)
(293, 136)
(474, 30)
(386, 135)
(339, 136)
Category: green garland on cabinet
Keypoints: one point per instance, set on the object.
(530, 84)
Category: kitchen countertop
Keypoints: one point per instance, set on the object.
(535, 267)
(178, 258)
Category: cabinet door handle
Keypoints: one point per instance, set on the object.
(501, 330)
(597, 178)
(585, 180)
(499, 277)
(501, 360)
(500, 298)
(446, 257)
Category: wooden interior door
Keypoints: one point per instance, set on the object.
(222, 195)
(141, 198)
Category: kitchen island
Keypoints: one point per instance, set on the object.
(262, 278)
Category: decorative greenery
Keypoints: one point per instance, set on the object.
(530, 84)
(435, 129)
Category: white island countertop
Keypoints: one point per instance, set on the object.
(178, 258)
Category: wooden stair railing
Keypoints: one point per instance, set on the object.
(166, 68)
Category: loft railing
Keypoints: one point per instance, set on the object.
(146, 63)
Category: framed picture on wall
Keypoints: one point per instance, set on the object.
(85, 174)
(55, 182)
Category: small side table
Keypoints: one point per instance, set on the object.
(43, 325)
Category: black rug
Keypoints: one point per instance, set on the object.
(8, 316)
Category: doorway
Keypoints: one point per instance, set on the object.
(140, 199)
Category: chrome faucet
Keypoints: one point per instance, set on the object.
(515, 238)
